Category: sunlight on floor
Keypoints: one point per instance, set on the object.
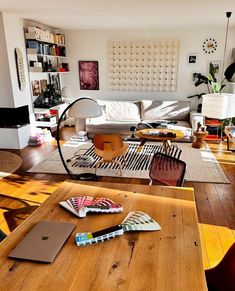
(215, 241)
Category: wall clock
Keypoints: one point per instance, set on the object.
(209, 45)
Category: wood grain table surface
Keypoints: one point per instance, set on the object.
(169, 259)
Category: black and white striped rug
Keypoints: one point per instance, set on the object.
(134, 161)
(202, 165)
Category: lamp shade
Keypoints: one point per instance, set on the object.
(85, 108)
(218, 105)
(65, 92)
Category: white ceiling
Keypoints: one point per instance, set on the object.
(123, 14)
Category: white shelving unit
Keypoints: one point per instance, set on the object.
(46, 54)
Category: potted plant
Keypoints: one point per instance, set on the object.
(213, 86)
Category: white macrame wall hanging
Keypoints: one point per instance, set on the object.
(143, 65)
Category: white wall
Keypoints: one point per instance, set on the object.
(15, 38)
(12, 36)
(92, 45)
(6, 94)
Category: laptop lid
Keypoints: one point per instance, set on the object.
(43, 242)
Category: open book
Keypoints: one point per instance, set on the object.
(82, 204)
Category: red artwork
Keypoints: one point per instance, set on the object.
(89, 75)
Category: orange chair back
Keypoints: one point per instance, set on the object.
(114, 140)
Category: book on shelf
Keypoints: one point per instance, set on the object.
(81, 205)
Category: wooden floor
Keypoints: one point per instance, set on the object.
(22, 192)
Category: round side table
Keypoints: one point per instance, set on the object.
(199, 142)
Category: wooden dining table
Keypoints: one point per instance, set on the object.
(168, 259)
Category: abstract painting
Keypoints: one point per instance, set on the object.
(88, 75)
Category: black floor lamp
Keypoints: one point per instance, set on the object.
(81, 108)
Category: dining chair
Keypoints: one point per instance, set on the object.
(222, 276)
(174, 151)
(109, 147)
(167, 170)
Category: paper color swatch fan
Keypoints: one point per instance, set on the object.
(134, 221)
(82, 204)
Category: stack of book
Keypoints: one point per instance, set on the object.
(35, 140)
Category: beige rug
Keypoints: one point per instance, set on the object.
(202, 165)
(9, 163)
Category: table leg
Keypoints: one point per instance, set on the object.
(142, 142)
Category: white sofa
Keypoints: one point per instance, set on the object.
(119, 116)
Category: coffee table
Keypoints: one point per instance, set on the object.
(148, 134)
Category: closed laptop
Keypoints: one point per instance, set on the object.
(43, 242)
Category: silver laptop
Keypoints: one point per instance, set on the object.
(43, 242)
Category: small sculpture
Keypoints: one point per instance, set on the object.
(198, 126)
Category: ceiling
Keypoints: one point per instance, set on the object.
(123, 14)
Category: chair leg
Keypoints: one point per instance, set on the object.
(120, 166)
(98, 164)
(124, 160)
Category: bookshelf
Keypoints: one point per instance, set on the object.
(46, 57)
(46, 50)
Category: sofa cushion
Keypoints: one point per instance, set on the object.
(122, 111)
(170, 110)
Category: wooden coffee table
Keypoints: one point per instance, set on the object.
(148, 134)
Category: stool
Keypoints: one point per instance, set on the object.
(199, 142)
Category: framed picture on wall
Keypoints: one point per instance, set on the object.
(192, 59)
(88, 75)
(217, 68)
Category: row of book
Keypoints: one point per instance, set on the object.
(45, 35)
(45, 49)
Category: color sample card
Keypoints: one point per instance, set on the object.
(81, 205)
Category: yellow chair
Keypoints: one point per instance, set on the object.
(109, 147)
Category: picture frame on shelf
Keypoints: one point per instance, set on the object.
(192, 59)
(88, 75)
(36, 87)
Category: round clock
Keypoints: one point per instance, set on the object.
(209, 45)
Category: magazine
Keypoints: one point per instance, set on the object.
(81, 205)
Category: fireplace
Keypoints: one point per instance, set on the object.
(14, 117)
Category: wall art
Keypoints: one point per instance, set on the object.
(192, 59)
(88, 75)
(20, 68)
(217, 68)
(148, 65)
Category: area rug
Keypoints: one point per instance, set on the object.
(9, 163)
(202, 165)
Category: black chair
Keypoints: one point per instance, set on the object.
(167, 170)
(2, 235)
